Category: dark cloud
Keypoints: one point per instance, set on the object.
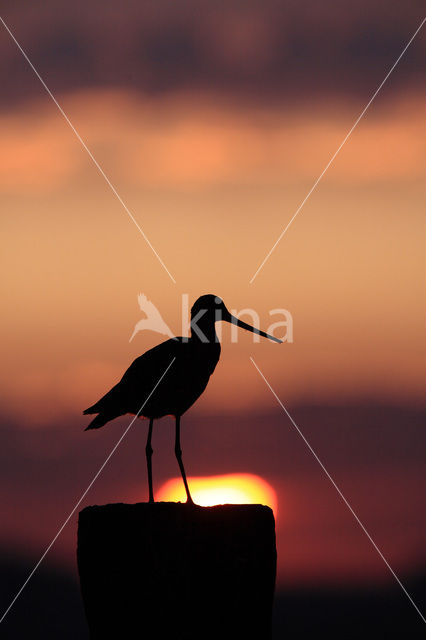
(252, 50)
(51, 607)
(375, 453)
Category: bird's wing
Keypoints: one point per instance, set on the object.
(152, 364)
(140, 379)
(142, 299)
(154, 316)
(111, 401)
(151, 310)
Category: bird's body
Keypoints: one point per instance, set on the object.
(191, 365)
(169, 378)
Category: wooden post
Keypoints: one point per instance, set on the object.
(168, 571)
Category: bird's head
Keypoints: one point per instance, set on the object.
(209, 306)
(210, 309)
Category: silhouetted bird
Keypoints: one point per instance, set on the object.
(191, 361)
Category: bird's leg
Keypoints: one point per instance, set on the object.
(178, 453)
(148, 451)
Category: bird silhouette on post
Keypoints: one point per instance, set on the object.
(169, 378)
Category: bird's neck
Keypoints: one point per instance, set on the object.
(204, 331)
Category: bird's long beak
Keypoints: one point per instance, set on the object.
(248, 327)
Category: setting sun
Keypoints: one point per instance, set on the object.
(235, 488)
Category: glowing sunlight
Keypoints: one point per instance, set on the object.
(235, 488)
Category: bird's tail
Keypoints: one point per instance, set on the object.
(108, 408)
(98, 422)
(90, 410)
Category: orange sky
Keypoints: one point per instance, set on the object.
(212, 183)
(213, 136)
